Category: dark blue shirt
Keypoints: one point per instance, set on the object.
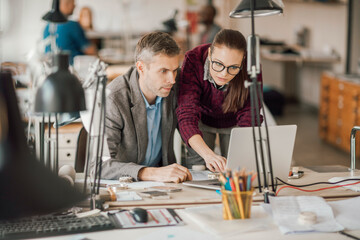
(69, 36)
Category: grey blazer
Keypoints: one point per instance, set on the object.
(126, 127)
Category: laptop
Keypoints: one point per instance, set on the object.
(241, 153)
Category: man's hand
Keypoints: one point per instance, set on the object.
(215, 162)
(172, 173)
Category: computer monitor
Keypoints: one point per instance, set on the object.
(26, 186)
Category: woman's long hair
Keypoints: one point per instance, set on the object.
(237, 93)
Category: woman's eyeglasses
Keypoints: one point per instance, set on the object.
(219, 67)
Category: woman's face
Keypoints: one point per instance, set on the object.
(225, 63)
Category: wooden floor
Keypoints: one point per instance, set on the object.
(309, 149)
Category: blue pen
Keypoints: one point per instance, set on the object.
(227, 185)
(249, 182)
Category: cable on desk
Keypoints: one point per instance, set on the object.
(315, 190)
(316, 183)
(349, 235)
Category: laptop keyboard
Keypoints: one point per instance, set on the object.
(50, 225)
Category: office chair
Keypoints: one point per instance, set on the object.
(81, 151)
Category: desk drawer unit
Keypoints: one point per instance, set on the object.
(68, 137)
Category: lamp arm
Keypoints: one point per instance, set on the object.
(87, 157)
(250, 85)
(267, 137)
(100, 80)
(253, 69)
(101, 131)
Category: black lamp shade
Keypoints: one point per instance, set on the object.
(262, 8)
(54, 15)
(61, 91)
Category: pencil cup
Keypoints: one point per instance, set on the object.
(236, 205)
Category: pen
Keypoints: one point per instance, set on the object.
(241, 185)
(249, 182)
(232, 185)
(240, 202)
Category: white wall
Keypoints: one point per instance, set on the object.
(355, 40)
(24, 25)
(139, 15)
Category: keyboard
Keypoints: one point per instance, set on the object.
(52, 225)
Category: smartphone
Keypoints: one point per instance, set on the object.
(153, 193)
(167, 189)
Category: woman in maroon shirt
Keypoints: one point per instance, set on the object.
(212, 97)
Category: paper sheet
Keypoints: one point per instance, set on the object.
(347, 212)
(156, 218)
(210, 219)
(286, 211)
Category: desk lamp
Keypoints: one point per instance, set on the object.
(54, 16)
(61, 92)
(251, 9)
(170, 24)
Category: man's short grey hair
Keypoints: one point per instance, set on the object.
(153, 44)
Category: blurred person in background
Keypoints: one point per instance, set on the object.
(70, 36)
(85, 18)
(206, 17)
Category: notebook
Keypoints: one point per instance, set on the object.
(241, 153)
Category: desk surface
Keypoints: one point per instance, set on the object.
(311, 177)
(194, 196)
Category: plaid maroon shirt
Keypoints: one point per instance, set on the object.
(199, 100)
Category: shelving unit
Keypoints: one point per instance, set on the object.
(339, 110)
(322, 2)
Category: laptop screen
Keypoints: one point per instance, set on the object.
(241, 152)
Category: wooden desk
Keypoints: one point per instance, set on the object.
(189, 196)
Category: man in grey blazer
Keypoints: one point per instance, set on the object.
(140, 115)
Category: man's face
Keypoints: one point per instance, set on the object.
(67, 7)
(158, 76)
